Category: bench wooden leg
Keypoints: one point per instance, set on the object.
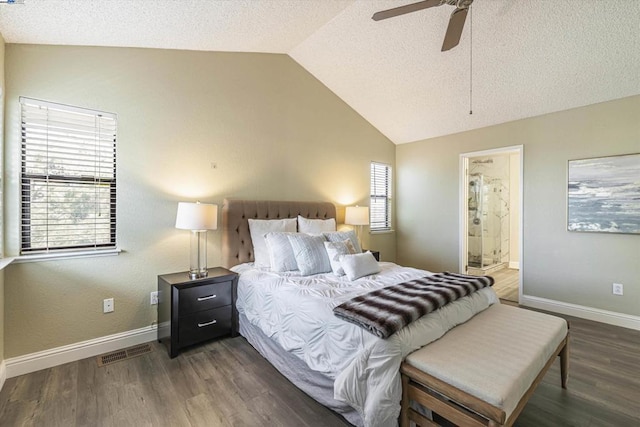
(564, 363)
(404, 411)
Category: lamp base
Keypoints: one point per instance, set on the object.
(198, 262)
(359, 234)
(198, 274)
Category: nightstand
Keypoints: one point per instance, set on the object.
(376, 254)
(192, 311)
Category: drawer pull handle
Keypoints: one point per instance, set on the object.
(202, 325)
(206, 298)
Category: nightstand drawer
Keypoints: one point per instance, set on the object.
(205, 297)
(204, 325)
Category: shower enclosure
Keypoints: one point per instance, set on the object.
(486, 212)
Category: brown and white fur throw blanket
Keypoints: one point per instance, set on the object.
(387, 310)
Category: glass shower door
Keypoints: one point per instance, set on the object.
(475, 204)
(484, 221)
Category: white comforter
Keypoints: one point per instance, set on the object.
(297, 312)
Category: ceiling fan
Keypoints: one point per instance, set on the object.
(456, 22)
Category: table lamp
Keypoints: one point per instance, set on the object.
(358, 216)
(197, 217)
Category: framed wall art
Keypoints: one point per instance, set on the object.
(604, 194)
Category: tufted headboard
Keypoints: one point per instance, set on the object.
(236, 239)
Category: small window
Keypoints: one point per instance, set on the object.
(380, 205)
(68, 178)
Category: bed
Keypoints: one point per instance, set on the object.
(288, 318)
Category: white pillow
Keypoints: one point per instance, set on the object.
(340, 236)
(258, 228)
(280, 253)
(310, 253)
(315, 226)
(359, 265)
(335, 250)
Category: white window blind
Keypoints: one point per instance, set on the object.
(68, 178)
(380, 204)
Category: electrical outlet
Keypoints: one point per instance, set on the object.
(107, 305)
(153, 298)
(617, 289)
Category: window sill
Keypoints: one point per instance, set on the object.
(66, 255)
(4, 262)
(382, 231)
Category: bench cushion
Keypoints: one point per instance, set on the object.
(496, 355)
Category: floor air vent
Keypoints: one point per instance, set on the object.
(127, 353)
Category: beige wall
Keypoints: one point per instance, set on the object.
(2, 89)
(273, 131)
(576, 268)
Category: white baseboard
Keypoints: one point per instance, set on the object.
(584, 312)
(3, 374)
(514, 264)
(70, 353)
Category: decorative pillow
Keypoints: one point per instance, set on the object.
(258, 228)
(311, 256)
(335, 250)
(315, 226)
(339, 236)
(280, 253)
(359, 265)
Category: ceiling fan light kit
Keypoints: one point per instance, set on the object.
(456, 21)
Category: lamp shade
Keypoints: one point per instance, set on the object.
(357, 215)
(197, 216)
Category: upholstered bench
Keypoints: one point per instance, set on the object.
(482, 373)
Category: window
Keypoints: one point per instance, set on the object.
(380, 205)
(68, 178)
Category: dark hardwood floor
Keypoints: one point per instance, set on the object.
(227, 383)
(223, 383)
(604, 381)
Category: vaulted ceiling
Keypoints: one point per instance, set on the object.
(516, 59)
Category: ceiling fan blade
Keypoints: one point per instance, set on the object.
(390, 13)
(454, 30)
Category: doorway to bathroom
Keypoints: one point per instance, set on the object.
(491, 220)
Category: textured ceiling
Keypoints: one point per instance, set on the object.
(528, 58)
(222, 25)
